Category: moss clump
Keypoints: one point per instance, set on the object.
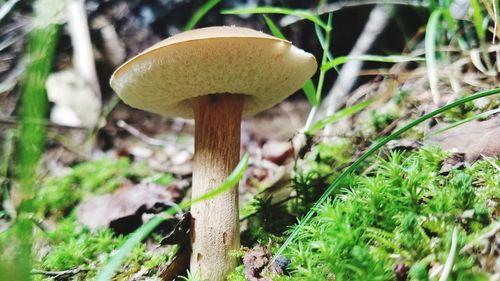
(401, 214)
(58, 195)
(72, 246)
(395, 222)
(69, 245)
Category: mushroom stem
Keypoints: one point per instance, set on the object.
(215, 223)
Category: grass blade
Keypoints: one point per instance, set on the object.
(309, 89)
(278, 10)
(478, 20)
(229, 183)
(322, 41)
(275, 30)
(310, 92)
(141, 233)
(373, 58)
(135, 238)
(344, 113)
(203, 10)
(466, 120)
(324, 59)
(370, 152)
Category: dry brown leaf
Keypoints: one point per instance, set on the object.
(123, 209)
(277, 151)
(256, 262)
(474, 139)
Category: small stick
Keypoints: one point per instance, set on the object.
(136, 133)
(58, 274)
(83, 54)
(6, 8)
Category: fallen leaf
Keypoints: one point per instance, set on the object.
(179, 265)
(123, 209)
(180, 233)
(474, 139)
(256, 263)
(75, 103)
(401, 271)
(277, 151)
(454, 161)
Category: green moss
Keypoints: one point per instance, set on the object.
(404, 208)
(380, 120)
(58, 195)
(400, 212)
(73, 246)
(70, 245)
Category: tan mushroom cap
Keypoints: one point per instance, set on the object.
(212, 60)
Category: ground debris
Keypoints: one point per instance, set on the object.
(277, 151)
(180, 232)
(454, 161)
(60, 275)
(403, 145)
(487, 249)
(179, 265)
(123, 209)
(256, 262)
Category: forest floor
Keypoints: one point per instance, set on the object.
(424, 206)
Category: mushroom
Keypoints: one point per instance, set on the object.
(216, 75)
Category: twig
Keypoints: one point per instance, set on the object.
(430, 55)
(6, 8)
(83, 55)
(375, 24)
(451, 256)
(58, 274)
(133, 131)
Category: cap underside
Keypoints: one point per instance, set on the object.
(165, 77)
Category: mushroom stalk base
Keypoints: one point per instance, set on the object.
(215, 224)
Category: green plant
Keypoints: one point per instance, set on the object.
(15, 255)
(198, 15)
(389, 219)
(380, 143)
(58, 195)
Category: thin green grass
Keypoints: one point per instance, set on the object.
(198, 15)
(344, 113)
(16, 255)
(135, 238)
(324, 58)
(380, 143)
(478, 20)
(466, 120)
(372, 58)
(278, 10)
(322, 40)
(309, 89)
(33, 108)
(275, 30)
